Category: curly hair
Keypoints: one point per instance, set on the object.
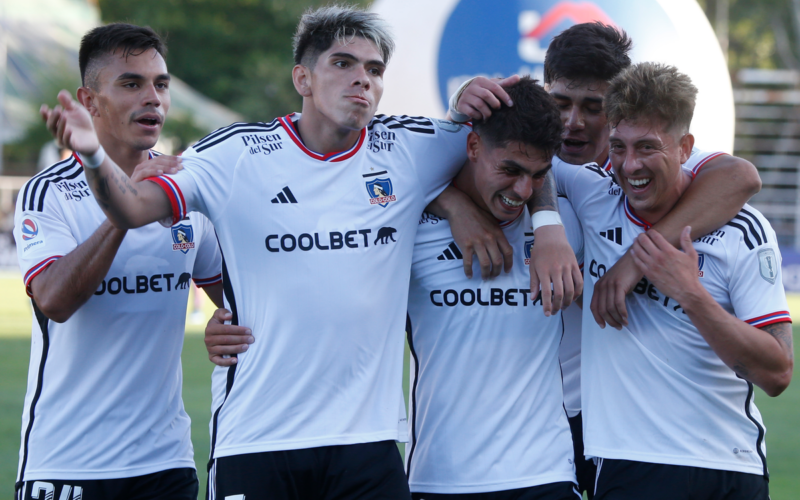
(533, 119)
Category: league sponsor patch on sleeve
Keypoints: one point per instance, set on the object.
(32, 233)
(768, 265)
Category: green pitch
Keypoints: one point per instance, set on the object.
(781, 414)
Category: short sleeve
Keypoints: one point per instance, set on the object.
(41, 233)
(204, 184)
(208, 263)
(572, 227)
(756, 285)
(438, 154)
(579, 184)
(698, 159)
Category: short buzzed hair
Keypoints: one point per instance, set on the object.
(103, 41)
(652, 92)
(319, 28)
(587, 52)
(533, 120)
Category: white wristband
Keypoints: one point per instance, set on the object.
(455, 115)
(94, 160)
(545, 218)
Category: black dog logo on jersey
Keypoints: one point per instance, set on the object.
(183, 281)
(182, 237)
(380, 192)
(385, 234)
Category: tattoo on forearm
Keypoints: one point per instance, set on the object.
(545, 198)
(783, 333)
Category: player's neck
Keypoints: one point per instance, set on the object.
(323, 136)
(123, 154)
(602, 157)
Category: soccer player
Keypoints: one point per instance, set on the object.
(103, 412)
(316, 216)
(487, 419)
(579, 64)
(668, 400)
(480, 427)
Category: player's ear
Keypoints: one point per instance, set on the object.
(301, 77)
(687, 143)
(473, 146)
(88, 98)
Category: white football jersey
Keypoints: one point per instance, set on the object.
(486, 399)
(104, 387)
(316, 259)
(655, 391)
(570, 353)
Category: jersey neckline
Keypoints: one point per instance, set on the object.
(633, 217)
(288, 125)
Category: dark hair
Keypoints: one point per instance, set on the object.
(586, 52)
(105, 40)
(319, 28)
(533, 119)
(651, 92)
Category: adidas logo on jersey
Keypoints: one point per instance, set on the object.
(614, 234)
(451, 253)
(285, 196)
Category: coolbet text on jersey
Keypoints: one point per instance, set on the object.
(655, 391)
(316, 259)
(486, 384)
(104, 388)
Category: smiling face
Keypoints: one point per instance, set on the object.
(647, 160)
(501, 179)
(131, 100)
(345, 84)
(585, 127)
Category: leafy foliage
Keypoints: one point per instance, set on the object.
(762, 33)
(237, 52)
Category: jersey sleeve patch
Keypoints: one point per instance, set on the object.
(770, 319)
(768, 265)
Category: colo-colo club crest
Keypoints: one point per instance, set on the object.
(528, 245)
(182, 238)
(380, 192)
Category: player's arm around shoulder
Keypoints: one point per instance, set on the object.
(760, 349)
(721, 186)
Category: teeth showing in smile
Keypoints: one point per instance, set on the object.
(511, 202)
(638, 182)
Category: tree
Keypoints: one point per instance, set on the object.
(237, 52)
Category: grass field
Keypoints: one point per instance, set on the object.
(781, 415)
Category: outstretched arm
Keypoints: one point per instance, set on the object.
(763, 356)
(126, 203)
(716, 195)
